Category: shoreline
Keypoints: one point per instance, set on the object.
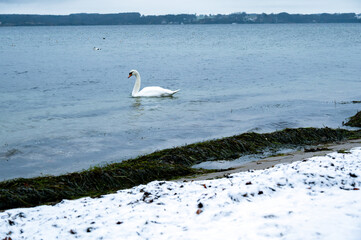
(168, 164)
(270, 162)
(136, 18)
(314, 199)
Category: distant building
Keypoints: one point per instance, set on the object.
(250, 18)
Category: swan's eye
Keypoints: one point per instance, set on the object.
(130, 73)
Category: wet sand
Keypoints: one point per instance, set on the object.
(269, 162)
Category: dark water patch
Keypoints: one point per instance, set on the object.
(350, 102)
(10, 153)
(161, 165)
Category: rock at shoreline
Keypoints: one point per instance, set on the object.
(354, 121)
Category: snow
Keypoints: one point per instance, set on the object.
(314, 199)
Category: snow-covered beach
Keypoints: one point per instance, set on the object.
(318, 198)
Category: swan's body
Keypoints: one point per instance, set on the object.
(148, 91)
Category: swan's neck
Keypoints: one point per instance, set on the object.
(136, 85)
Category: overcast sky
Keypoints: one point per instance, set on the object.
(149, 7)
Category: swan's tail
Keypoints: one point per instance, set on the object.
(174, 92)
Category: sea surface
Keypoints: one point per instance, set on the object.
(65, 107)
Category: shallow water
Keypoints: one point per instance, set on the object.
(66, 107)
(238, 162)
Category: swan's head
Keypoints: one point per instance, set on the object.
(133, 72)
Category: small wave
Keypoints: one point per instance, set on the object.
(17, 72)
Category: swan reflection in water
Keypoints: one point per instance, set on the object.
(137, 104)
(149, 106)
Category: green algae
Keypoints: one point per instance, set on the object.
(344, 151)
(161, 165)
(317, 149)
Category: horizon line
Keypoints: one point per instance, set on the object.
(197, 14)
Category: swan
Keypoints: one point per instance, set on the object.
(148, 91)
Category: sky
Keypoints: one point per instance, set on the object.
(159, 7)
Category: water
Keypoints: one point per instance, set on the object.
(65, 107)
(238, 162)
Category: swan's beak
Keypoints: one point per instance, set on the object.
(130, 75)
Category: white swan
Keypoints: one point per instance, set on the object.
(148, 91)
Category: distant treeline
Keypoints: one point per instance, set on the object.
(138, 19)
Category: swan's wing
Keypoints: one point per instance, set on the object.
(155, 92)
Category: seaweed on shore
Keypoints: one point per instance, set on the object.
(161, 165)
(355, 121)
